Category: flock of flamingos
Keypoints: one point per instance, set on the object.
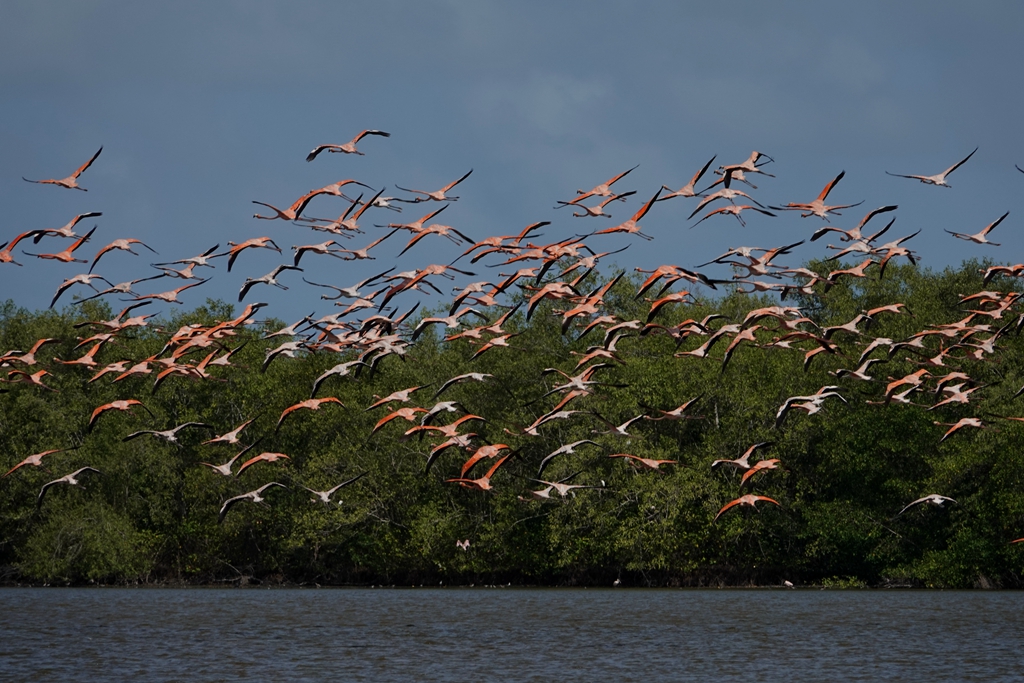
(541, 271)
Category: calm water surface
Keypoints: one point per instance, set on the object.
(510, 634)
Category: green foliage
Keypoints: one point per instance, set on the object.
(844, 474)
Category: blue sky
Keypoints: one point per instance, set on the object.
(202, 108)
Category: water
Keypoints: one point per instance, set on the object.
(509, 634)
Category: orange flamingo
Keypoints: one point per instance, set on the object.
(308, 404)
(749, 499)
(71, 182)
(115, 405)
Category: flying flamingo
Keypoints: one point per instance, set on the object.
(933, 499)
(7, 247)
(83, 279)
(254, 243)
(938, 178)
(602, 190)
(735, 210)
(598, 210)
(758, 466)
(469, 376)
(438, 195)
(564, 449)
(308, 404)
(688, 189)
(169, 435)
(170, 297)
(325, 496)
(252, 496)
(484, 482)
(115, 405)
(980, 237)
(36, 459)
(854, 234)
(69, 479)
(818, 207)
(262, 457)
(225, 469)
(71, 182)
(268, 279)
(631, 226)
(749, 499)
(65, 231)
(66, 255)
(201, 260)
(230, 437)
(348, 148)
(742, 462)
(649, 463)
(293, 212)
(407, 413)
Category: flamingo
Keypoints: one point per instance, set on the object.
(735, 210)
(66, 255)
(758, 467)
(363, 254)
(268, 279)
(252, 496)
(308, 404)
(69, 479)
(467, 377)
(631, 226)
(347, 148)
(201, 260)
(169, 435)
(7, 247)
(560, 487)
(68, 230)
(115, 405)
(980, 237)
(82, 279)
(403, 396)
(325, 496)
(254, 243)
(932, 499)
(341, 370)
(818, 207)
(854, 234)
(230, 437)
(262, 457)
(688, 189)
(438, 195)
(170, 297)
(742, 462)
(407, 413)
(123, 244)
(598, 210)
(484, 482)
(749, 499)
(293, 212)
(938, 178)
(649, 463)
(35, 460)
(225, 469)
(71, 182)
(602, 190)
